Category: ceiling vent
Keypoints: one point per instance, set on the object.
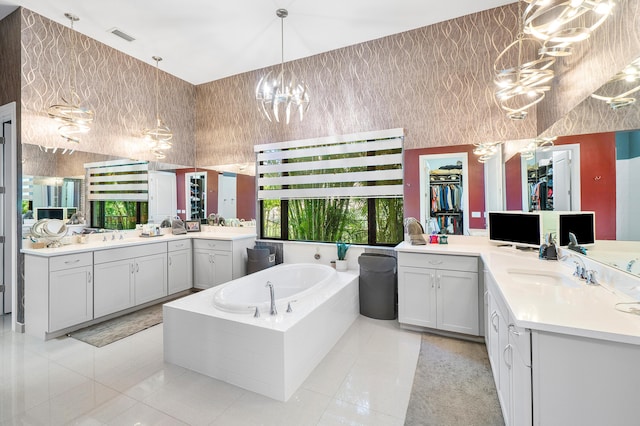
(121, 34)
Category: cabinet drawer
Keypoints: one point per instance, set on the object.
(115, 254)
(77, 260)
(439, 261)
(212, 244)
(179, 245)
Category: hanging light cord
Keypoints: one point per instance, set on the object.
(157, 109)
(73, 83)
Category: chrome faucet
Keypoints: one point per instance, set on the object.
(581, 270)
(273, 310)
(630, 264)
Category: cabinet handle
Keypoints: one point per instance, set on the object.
(435, 262)
(89, 277)
(494, 315)
(433, 281)
(131, 267)
(169, 261)
(71, 262)
(179, 245)
(504, 355)
(512, 330)
(137, 267)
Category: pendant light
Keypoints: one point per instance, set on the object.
(158, 138)
(74, 119)
(279, 95)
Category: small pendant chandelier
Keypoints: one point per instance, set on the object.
(159, 137)
(279, 95)
(74, 119)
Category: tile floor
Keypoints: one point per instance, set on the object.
(366, 379)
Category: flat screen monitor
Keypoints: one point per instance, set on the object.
(50, 213)
(581, 224)
(520, 229)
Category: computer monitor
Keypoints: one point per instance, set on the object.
(581, 224)
(520, 229)
(49, 213)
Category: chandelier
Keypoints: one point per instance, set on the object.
(618, 90)
(559, 23)
(74, 120)
(541, 144)
(159, 137)
(281, 94)
(522, 85)
(485, 150)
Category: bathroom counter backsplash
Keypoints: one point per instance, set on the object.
(117, 239)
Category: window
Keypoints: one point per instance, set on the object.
(118, 214)
(333, 189)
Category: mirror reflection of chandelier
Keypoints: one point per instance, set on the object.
(618, 90)
(559, 23)
(281, 94)
(522, 74)
(159, 137)
(74, 119)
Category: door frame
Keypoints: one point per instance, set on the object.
(423, 161)
(12, 211)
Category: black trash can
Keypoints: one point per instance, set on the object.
(378, 286)
(259, 258)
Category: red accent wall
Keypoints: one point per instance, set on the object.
(246, 197)
(513, 186)
(412, 181)
(597, 179)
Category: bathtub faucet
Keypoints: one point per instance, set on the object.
(273, 298)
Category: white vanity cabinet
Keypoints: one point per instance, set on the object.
(59, 292)
(217, 261)
(439, 291)
(129, 276)
(179, 275)
(509, 349)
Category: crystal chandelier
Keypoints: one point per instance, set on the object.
(522, 85)
(74, 119)
(281, 94)
(559, 23)
(159, 137)
(618, 90)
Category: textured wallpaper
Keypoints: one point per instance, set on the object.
(119, 88)
(610, 48)
(435, 82)
(10, 61)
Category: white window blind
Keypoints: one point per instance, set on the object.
(367, 165)
(27, 188)
(118, 181)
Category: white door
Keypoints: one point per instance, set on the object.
(227, 196)
(561, 180)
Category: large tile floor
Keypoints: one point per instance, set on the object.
(366, 379)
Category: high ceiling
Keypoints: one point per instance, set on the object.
(205, 40)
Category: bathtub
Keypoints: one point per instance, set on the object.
(214, 332)
(292, 283)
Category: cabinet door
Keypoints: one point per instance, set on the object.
(504, 365)
(458, 301)
(493, 338)
(70, 297)
(417, 296)
(521, 406)
(180, 275)
(203, 273)
(222, 267)
(150, 278)
(113, 287)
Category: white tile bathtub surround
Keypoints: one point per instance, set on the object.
(305, 252)
(269, 355)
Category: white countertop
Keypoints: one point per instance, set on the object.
(95, 241)
(587, 311)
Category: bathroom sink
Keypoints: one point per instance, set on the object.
(546, 278)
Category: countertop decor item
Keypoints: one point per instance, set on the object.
(192, 225)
